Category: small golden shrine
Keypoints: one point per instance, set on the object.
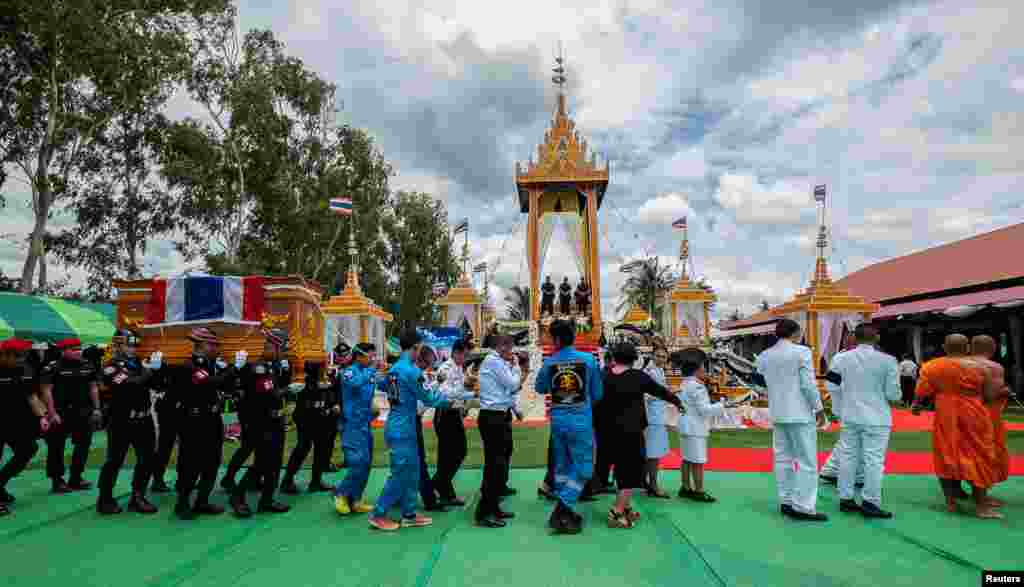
(686, 320)
(565, 181)
(463, 305)
(289, 303)
(353, 317)
(636, 316)
(825, 309)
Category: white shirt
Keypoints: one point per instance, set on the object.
(452, 384)
(656, 407)
(499, 383)
(698, 407)
(870, 381)
(788, 369)
(908, 368)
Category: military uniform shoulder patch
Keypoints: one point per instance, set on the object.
(348, 374)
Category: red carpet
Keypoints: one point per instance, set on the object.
(759, 460)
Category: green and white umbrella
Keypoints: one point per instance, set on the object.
(45, 319)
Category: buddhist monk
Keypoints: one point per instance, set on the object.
(983, 348)
(963, 439)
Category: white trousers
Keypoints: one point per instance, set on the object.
(864, 449)
(796, 465)
(831, 466)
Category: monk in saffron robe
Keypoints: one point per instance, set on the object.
(963, 438)
(983, 348)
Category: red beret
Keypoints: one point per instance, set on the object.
(68, 343)
(15, 345)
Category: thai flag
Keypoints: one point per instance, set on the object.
(341, 206)
(185, 300)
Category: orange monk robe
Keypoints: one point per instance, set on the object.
(1002, 456)
(963, 438)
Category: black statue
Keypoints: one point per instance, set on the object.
(565, 297)
(547, 297)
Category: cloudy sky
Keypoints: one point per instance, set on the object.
(729, 112)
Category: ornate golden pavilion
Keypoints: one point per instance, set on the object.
(565, 178)
(354, 316)
(687, 306)
(463, 302)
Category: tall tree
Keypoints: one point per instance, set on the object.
(421, 253)
(517, 303)
(65, 60)
(647, 279)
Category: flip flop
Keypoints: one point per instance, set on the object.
(989, 515)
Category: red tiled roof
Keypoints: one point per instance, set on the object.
(973, 261)
(991, 296)
(759, 318)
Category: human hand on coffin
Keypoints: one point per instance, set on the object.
(156, 360)
(221, 363)
(241, 357)
(285, 364)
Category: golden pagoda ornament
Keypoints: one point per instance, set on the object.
(353, 317)
(824, 310)
(462, 306)
(687, 306)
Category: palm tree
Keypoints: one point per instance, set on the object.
(647, 279)
(518, 303)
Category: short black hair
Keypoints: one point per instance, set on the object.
(865, 333)
(563, 332)
(624, 353)
(459, 347)
(488, 342)
(365, 348)
(786, 328)
(409, 338)
(689, 361)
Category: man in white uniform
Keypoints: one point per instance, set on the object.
(870, 380)
(795, 407)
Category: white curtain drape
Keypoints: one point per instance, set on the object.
(546, 228)
(573, 226)
(830, 331)
(692, 315)
(457, 312)
(348, 326)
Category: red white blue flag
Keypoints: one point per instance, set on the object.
(341, 206)
(205, 298)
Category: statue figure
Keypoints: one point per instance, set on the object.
(564, 297)
(582, 296)
(547, 297)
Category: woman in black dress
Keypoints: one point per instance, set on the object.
(624, 389)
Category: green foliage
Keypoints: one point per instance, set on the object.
(644, 285)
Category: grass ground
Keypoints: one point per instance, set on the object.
(531, 445)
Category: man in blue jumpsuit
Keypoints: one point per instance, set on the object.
(574, 381)
(404, 387)
(357, 384)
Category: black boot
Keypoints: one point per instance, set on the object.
(5, 497)
(317, 486)
(107, 506)
(160, 487)
(273, 507)
(141, 505)
(240, 506)
(79, 484)
(288, 486)
(183, 509)
(205, 507)
(58, 486)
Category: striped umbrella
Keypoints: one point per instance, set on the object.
(45, 319)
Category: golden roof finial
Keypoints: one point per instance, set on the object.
(559, 78)
(821, 264)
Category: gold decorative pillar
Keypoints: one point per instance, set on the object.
(594, 261)
(533, 252)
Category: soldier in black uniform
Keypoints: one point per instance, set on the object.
(547, 297)
(23, 415)
(316, 419)
(168, 419)
(248, 440)
(70, 388)
(565, 297)
(264, 386)
(207, 377)
(130, 424)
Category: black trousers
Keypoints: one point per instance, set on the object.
(268, 437)
(22, 441)
(314, 433)
(200, 455)
(907, 385)
(547, 306)
(603, 460)
(451, 450)
(248, 442)
(426, 485)
(79, 430)
(496, 434)
(140, 435)
(169, 420)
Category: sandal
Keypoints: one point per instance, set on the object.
(632, 514)
(701, 496)
(619, 520)
(685, 493)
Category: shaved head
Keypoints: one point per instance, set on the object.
(956, 345)
(983, 345)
